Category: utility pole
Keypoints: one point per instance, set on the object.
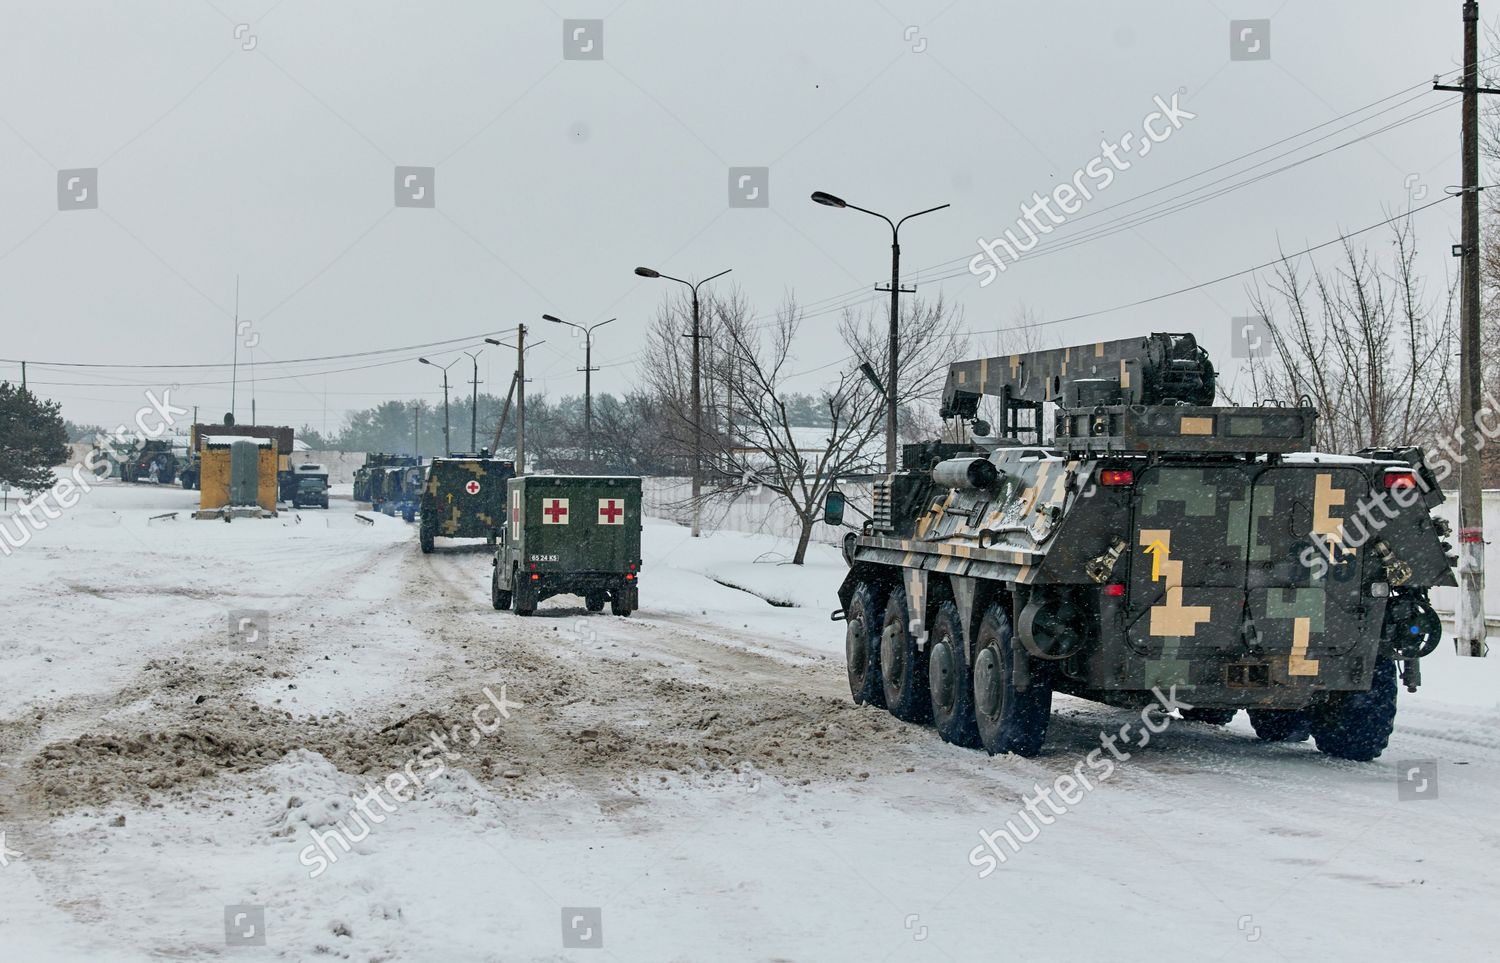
(1470, 637)
(23, 376)
(892, 353)
(474, 404)
(510, 395)
(416, 431)
(521, 399)
(234, 371)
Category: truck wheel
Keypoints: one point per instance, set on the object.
(425, 537)
(862, 645)
(1211, 717)
(1357, 725)
(594, 601)
(1008, 719)
(499, 598)
(624, 601)
(903, 669)
(1281, 725)
(950, 681)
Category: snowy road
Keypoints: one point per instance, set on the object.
(692, 783)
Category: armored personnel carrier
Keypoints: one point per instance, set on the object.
(364, 473)
(1154, 542)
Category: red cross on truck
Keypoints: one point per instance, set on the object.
(611, 511)
(555, 511)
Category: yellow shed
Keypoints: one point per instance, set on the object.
(215, 472)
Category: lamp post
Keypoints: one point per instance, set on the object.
(829, 200)
(447, 447)
(697, 397)
(588, 370)
(474, 404)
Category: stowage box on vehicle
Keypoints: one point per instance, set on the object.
(570, 535)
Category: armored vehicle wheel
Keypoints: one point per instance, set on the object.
(1357, 725)
(594, 601)
(903, 669)
(499, 598)
(1281, 725)
(1009, 720)
(950, 681)
(425, 537)
(1212, 717)
(862, 645)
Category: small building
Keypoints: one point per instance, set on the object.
(238, 472)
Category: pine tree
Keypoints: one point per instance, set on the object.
(33, 438)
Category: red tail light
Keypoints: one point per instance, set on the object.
(1400, 479)
(630, 578)
(535, 577)
(1117, 476)
(1114, 591)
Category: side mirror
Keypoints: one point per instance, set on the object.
(833, 508)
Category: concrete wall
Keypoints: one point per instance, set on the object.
(340, 464)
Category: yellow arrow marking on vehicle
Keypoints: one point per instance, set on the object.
(1156, 550)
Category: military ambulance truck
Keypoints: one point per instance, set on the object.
(464, 497)
(569, 535)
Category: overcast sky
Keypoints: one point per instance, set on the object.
(555, 177)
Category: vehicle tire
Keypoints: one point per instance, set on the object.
(1210, 717)
(950, 681)
(903, 669)
(425, 537)
(624, 600)
(1281, 725)
(523, 594)
(1357, 725)
(594, 601)
(499, 598)
(862, 625)
(1008, 719)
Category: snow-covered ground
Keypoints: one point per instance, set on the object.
(691, 783)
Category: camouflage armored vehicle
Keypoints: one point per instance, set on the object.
(464, 497)
(365, 472)
(1156, 542)
(570, 535)
(150, 461)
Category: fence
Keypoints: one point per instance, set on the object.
(761, 512)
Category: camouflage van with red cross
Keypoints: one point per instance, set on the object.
(569, 535)
(463, 496)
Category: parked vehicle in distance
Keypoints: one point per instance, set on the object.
(570, 535)
(311, 492)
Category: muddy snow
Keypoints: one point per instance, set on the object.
(301, 738)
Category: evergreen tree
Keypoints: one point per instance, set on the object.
(33, 438)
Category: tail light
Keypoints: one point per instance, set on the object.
(630, 577)
(1117, 476)
(1400, 479)
(535, 577)
(1114, 591)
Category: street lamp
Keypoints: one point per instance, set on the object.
(829, 200)
(646, 272)
(588, 370)
(447, 448)
(474, 404)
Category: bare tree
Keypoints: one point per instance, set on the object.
(1362, 340)
(749, 434)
